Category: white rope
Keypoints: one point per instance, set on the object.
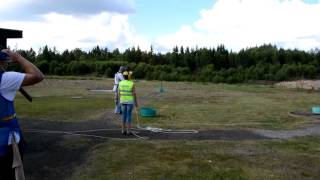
(134, 133)
(72, 133)
(94, 130)
(160, 130)
(79, 133)
(140, 137)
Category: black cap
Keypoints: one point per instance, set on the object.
(4, 56)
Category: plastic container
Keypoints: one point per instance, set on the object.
(316, 110)
(147, 112)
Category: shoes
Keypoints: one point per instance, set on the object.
(126, 133)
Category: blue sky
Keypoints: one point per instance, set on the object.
(311, 1)
(69, 24)
(154, 18)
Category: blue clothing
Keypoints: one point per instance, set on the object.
(117, 109)
(126, 112)
(7, 127)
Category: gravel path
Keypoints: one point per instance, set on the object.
(109, 127)
(286, 134)
(311, 130)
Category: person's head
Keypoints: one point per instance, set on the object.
(125, 75)
(122, 69)
(4, 59)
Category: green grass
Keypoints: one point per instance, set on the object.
(192, 106)
(50, 108)
(226, 106)
(182, 105)
(204, 160)
(65, 100)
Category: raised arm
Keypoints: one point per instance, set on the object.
(33, 74)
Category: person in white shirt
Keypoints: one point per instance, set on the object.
(117, 78)
(11, 140)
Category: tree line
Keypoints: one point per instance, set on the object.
(266, 62)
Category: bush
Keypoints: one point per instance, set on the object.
(43, 66)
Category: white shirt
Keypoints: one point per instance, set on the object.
(10, 84)
(117, 78)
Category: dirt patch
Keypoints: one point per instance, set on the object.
(48, 159)
(55, 153)
(101, 90)
(304, 114)
(310, 130)
(301, 84)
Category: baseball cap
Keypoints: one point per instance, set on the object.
(4, 56)
(123, 68)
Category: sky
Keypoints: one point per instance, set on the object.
(162, 24)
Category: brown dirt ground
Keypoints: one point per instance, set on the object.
(46, 158)
(300, 84)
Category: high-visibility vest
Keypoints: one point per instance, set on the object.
(7, 127)
(126, 91)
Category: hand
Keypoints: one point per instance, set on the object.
(32, 74)
(13, 56)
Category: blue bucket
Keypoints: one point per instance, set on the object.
(316, 110)
(147, 112)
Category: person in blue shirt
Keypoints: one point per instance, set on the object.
(10, 83)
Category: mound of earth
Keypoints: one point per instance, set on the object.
(300, 84)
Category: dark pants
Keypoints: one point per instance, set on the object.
(7, 173)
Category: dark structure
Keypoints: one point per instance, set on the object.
(6, 34)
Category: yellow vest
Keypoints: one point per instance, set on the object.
(126, 91)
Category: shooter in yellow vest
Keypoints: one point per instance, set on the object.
(128, 99)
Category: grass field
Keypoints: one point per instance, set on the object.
(190, 106)
(182, 105)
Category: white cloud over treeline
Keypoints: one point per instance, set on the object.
(247, 23)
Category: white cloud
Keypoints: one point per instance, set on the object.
(110, 30)
(186, 36)
(245, 23)
(235, 23)
(69, 24)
